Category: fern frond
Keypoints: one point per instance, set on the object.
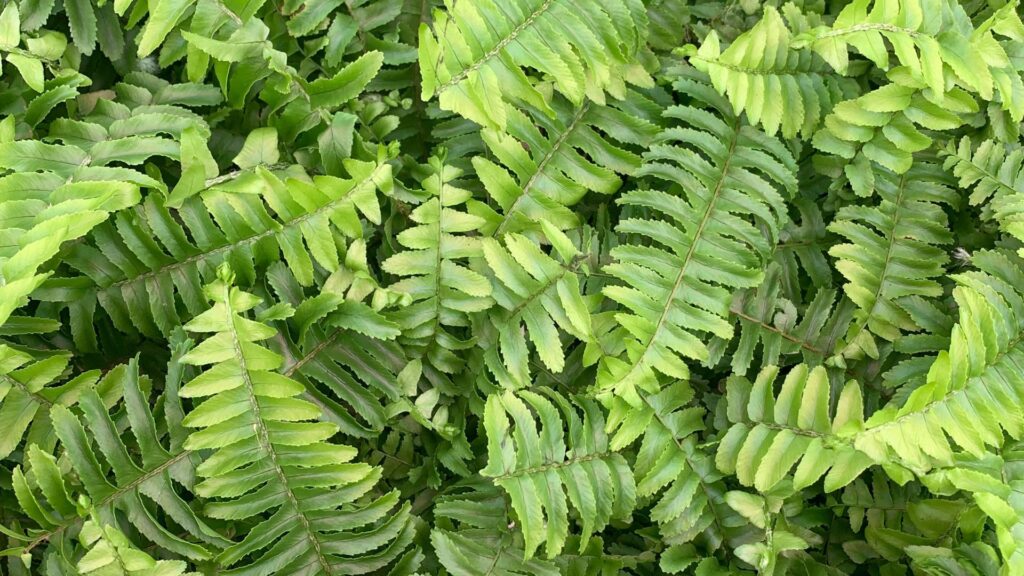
(117, 483)
(111, 553)
(476, 69)
(545, 165)
(146, 266)
(895, 250)
(433, 270)
(671, 468)
(779, 87)
(565, 460)
(720, 181)
(772, 432)
(973, 389)
(272, 463)
(539, 295)
(472, 530)
(995, 174)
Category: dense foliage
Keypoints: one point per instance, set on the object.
(511, 287)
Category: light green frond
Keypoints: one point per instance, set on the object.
(772, 433)
(566, 460)
(270, 458)
(779, 87)
(473, 56)
(434, 269)
(894, 250)
(111, 553)
(973, 389)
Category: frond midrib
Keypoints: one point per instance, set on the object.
(297, 221)
(463, 74)
(263, 437)
(697, 238)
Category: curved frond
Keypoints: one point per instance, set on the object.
(974, 389)
(313, 509)
(720, 206)
(473, 59)
(772, 433)
(566, 460)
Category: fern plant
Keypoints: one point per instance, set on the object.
(511, 287)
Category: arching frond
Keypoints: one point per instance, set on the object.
(473, 59)
(718, 182)
(973, 389)
(772, 432)
(312, 508)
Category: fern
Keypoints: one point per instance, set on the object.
(268, 457)
(442, 289)
(467, 65)
(118, 484)
(773, 433)
(726, 173)
(894, 250)
(538, 291)
(542, 469)
(978, 365)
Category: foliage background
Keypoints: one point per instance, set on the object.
(511, 287)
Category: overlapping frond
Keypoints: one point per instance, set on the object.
(472, 58)
(434, 272)
(719, 196)
(894, 250)
(566, 460)
(771, 433)
(973, 390)
(672, 468)
(111, 553)
(146, 266)
(543, 166)
(144, 489)
(540, 296)
(779, 87)
(313, 510)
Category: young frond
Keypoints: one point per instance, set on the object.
(474, 56)
(566, 460)
(719, 193)
(314, 510)
(111, 553)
